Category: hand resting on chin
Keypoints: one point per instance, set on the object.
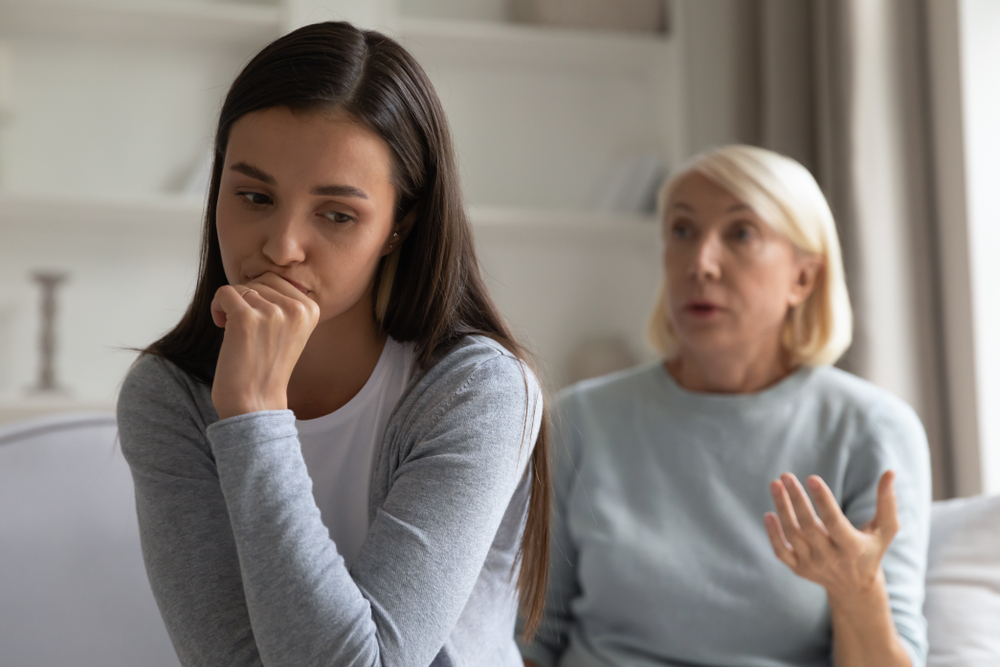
(268, 322)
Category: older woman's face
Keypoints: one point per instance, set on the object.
(731, 277)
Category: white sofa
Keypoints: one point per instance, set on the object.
(74, 591)
(963, 583)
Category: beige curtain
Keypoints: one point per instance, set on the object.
(844, 88)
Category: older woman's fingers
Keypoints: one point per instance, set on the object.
(886, 520)
(837, 525)
(809, 521)
(786, 516)
(782, 549)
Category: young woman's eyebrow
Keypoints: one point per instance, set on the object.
(321, 190)
(339, 191)
(254, 172)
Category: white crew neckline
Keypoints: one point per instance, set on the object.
(358, 401)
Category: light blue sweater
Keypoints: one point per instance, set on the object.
(659, 551)
(244, 570)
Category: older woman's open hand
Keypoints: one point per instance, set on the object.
(820, 544)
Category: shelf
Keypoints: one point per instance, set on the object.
(15, 410)
(528, 224)
(185, 21)
(67, 213)
(480, 42)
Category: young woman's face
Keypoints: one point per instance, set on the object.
(731, 277)
(309, 197)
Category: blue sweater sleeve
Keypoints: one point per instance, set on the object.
(895, 440)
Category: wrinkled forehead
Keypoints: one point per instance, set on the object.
(693, 185)
(698, 193)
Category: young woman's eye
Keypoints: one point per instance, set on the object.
(337, 216)
(255, 198)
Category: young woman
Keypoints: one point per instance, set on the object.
(682, 534)
(339, 452)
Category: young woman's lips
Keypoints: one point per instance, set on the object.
(291, 282)
(296, 285)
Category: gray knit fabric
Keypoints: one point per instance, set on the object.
(243, 568)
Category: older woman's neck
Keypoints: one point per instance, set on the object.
(729, 373)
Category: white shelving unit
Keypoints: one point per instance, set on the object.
(114, 101)
(514, 44)
(174, 21)
(101, 214)
(182, 213)
(30, 408)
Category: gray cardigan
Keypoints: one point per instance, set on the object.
(243, 568)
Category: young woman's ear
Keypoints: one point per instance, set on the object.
(404, 226)
(400, 231)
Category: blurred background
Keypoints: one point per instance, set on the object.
(566, 115)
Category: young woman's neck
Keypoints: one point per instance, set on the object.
(336, 363)
(742, 371)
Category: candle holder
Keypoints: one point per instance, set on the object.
(47, 382)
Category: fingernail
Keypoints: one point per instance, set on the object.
(813, 483)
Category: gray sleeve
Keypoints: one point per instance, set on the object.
(187, 542)
(425, 548)
(557, 619)
(896, 441)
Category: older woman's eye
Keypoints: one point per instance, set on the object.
(255, 198)
(681, 230)
(742, 233)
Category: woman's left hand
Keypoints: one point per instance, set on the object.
(821, 545)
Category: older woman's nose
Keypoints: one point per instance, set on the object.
(705, 260)
(285, 240)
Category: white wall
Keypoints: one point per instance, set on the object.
(720, 72)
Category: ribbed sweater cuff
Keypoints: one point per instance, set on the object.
(244, 431)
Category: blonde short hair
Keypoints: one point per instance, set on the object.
(785, 195)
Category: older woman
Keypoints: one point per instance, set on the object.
(682, 534)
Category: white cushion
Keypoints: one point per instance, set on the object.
(963, 583)
(73, 589)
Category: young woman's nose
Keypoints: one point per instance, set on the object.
(705, 259)
(285, 239)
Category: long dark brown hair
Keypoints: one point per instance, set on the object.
(437, 295)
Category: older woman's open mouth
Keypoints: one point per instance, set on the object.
(700, 308)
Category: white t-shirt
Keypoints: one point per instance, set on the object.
(339, 448)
